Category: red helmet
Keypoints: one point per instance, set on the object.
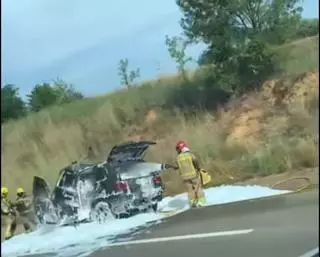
(180, 145)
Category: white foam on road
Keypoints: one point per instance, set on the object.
(87, 238)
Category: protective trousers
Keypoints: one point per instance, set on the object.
(10, 225)
(195, 192)
(25, 220)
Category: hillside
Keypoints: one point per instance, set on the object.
(269, 131)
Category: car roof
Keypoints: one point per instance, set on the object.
(80, 167)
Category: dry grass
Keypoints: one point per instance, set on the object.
(306, 49)
(252, 136)
(285, 139)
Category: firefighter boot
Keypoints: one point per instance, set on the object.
(10, 228)
(201, 202)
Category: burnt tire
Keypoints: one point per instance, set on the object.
(102, 213)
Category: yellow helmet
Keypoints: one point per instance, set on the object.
(20, 190)
(4, 191)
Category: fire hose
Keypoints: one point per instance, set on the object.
(300, 189)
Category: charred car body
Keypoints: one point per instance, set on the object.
(140, 179)
(121, 186)
(82, 193)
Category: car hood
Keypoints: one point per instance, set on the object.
(130, 151)
(137, 170)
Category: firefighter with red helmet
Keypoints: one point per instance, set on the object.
(189, 170)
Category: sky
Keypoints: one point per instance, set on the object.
(82, 41)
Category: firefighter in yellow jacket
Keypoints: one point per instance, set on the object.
(8, 214)
(189, 170)
(24, 211)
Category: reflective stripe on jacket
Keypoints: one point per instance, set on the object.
(5, 206)
(187, 165)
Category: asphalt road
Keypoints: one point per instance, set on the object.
(283, 226)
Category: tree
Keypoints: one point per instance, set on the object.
(226, 26)
(177, 46)
(12, 106)
(307, 28)
(127, 77)
(214, 20)
(231, 29)
(45, 95)
(66, 93)
(41, 96)
(255, 64)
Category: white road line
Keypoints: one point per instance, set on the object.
(311, 253)
(184, 237)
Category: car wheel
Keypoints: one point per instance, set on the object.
(102, 213)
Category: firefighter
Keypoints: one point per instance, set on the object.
(24, 211)
(189, 170)
(8, 214)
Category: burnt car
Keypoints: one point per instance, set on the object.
(121, 186)
(139, 179)
(83, 192)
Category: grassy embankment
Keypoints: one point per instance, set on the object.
(266, 132)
